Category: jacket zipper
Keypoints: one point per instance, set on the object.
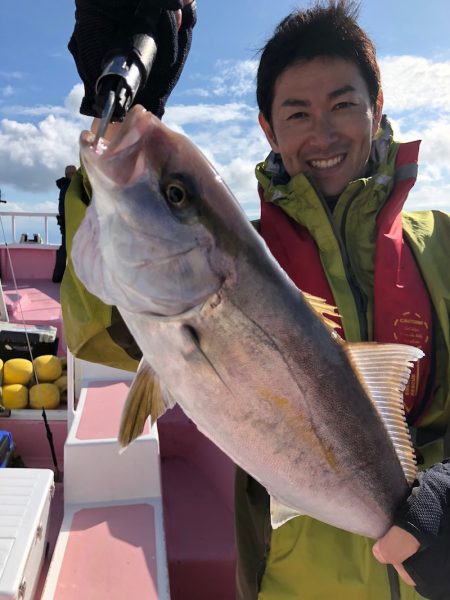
(358, 296)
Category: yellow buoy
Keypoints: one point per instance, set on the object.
(47, 368)
(15, 395)
(1, 371)
(61, 384)
(44, 395)
(17, 370)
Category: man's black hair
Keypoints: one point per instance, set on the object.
(327, 29)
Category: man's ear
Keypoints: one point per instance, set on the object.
(378, 112)
(268, 131)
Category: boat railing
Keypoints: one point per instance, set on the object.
(14, 216)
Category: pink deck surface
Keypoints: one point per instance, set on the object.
(102, 411)
(36, 301)
(129, 567)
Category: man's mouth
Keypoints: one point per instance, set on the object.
(326, 163)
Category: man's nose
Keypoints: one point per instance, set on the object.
(323, 132)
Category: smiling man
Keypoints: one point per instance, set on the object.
(332, 192)
(322, 122)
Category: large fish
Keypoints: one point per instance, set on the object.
(226, 334)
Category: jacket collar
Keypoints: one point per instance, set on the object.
(281, 189)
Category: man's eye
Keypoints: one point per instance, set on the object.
(342, 105)
(297, 115)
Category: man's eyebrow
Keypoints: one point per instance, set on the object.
(304, 103)
(295, 102)
(341, 91)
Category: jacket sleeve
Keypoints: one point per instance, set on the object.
(426, 515)
(94, 331)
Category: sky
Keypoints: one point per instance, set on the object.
(214, 101)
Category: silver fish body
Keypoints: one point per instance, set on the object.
(231, 338)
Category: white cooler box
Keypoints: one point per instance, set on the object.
(25, 496)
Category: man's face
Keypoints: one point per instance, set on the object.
(323, 122)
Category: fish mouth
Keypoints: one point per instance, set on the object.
(115, 156)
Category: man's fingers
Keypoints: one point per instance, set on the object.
(404, 575)
(396, 546)
(179, 14)
(178, 18)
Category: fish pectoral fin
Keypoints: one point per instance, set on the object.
(280, 513)
(322, 308)
(384, 370)
(145, 398)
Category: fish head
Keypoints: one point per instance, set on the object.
(151, 240)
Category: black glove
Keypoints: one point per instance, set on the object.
(103, 27)
(426, 515)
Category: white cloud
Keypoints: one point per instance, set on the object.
(414, 82)
(245, 142)
(240, 177)
(235, 79)
(430, 196)
(434, 160)
(198, 92)
(208, 114)
(40, 110)
(70, 108)
(8, 90)
(73, 100)
(33, 155)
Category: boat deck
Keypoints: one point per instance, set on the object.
(196, 477)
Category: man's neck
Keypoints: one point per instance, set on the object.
(331, 202)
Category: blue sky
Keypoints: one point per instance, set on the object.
(214, 101)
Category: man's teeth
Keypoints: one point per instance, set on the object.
(326, 164)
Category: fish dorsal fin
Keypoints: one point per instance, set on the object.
(144, 399)
(384, 371)
(322, 308)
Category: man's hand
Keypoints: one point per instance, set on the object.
(419, 543)
(103, 27)
(394, 548)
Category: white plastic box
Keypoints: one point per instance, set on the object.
(25, 496)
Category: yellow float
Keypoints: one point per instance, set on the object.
(47, 368)
(17, 370)
(44, 395)
(15, 395)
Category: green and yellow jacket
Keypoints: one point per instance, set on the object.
(305, 559)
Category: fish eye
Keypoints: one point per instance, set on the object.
(176, 194)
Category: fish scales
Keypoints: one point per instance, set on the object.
(227, 334)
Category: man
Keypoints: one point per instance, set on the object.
(62, 184)
(331, 194)
(332, 191)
